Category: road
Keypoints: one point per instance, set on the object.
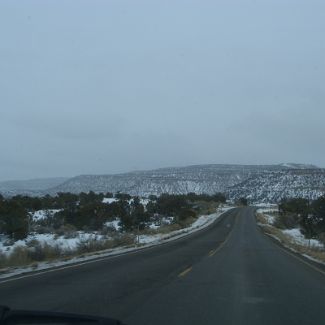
(229, 273)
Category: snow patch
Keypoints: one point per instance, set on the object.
(201, 222)
(44, 214)
(114, 224)
(109, 200)
(297, 237)
(146, 241)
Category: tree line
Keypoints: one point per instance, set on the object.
(87, 211)
(308, 215)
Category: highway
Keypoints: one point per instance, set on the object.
(229, 273)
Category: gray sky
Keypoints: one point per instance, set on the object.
(91, 87)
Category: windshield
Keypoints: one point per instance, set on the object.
(162, 162)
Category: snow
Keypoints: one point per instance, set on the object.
(51, 240)
(115, 224)
(109, 200)
(269, 219)
(145, 241)
(153, 226)
(266, 205)
(201, 222)
(144, 202)
(266, 212)
(288, 165)
(44, 214)
(296, 236)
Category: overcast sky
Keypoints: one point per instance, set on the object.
(93, 87)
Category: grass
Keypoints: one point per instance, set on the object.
(36, 252)
(40, 252)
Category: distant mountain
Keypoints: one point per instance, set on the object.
(298, 166)
(260, 183)
(272, 186)
(31, 186)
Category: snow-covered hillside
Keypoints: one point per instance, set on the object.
(260, 183)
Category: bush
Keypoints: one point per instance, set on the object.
(20, 256)
(321, 237)
(42, 251)
(287, 221)
(42, 229)
(94, 244)
(187, 213)
(9, 242)
(68, 231)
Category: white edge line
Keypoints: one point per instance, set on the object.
(95, 258)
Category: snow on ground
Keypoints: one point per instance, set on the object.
(266, 205)
(144, 202)
(146, 241)
(266, 212)
(297, 237)
(162, 222)
(294, 234)
(44, 214)
(109, 200)
(201, 222)
(269, 219)
(49, 239)
(115, 224)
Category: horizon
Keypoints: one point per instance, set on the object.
(153, 169)
(142, 86)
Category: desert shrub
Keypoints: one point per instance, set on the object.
(19, 256)
(124, 240)
(42, 251)
(321, 237)
(8, 242)
(286, 221)
(92, 245)
(32, 243)
(3, 259)
(187, 213)
(95, 244)
(169, 228)
(40, 229)
(68, 231)
(106, 231)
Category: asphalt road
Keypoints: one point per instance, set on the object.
(229, 273)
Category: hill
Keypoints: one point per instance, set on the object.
(259, 183)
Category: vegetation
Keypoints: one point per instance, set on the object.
(242, 201)
(308, 215)
(88, 212)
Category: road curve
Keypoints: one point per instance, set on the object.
(229, 273)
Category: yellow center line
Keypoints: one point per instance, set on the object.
(212, 252)
(185, 272)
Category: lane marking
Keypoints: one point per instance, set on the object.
(212, 252)
(104, 258)
(188, 270)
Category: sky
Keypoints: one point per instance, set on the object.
(101, 87)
